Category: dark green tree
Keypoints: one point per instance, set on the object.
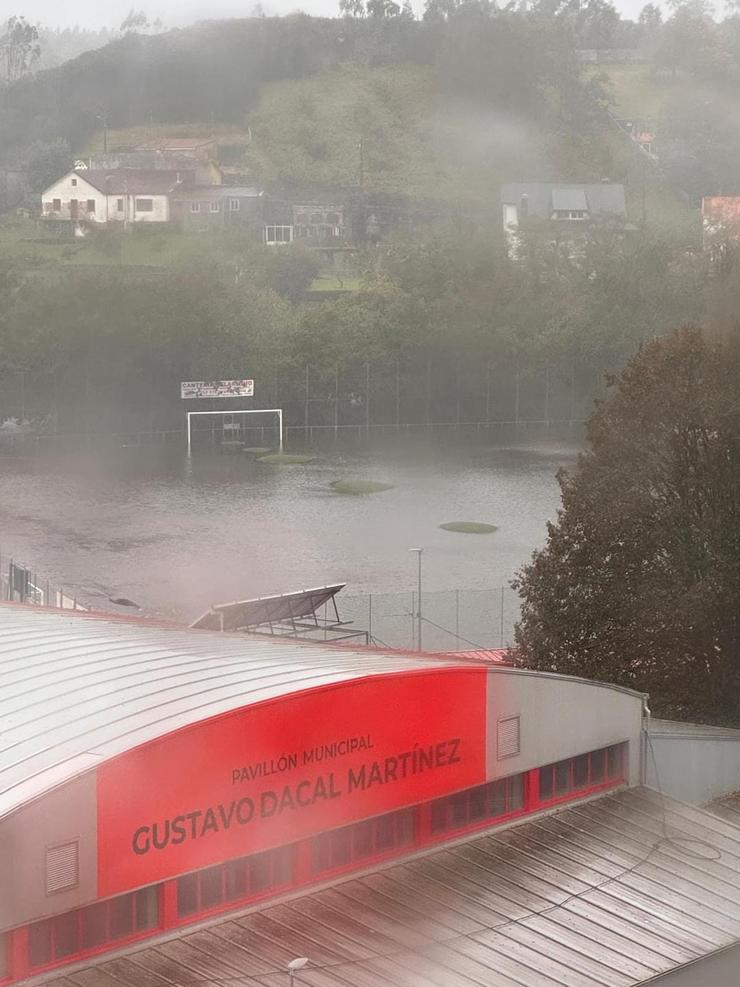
(19, 48)
(639, 581)
(45, 162)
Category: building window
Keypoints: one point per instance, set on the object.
(237, 879)
(601, 767)
(195, 207)
(476, 805)
(570, 214)
(88, 928)
(74, 183)
(234, 205)
(62, 867)
(508, 739)
(119, 205)
(369, 838)
(91, 205)
(278, 234)
(145, 205)
(56, 205)
(215, 207)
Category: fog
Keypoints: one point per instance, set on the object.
(110, 13)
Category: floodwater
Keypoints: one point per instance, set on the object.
(176, 535)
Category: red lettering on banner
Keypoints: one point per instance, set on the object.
(277, 772)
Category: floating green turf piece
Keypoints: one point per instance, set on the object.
(469, 527)
(286, 459)
(357, 487)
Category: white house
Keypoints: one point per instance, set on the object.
(118, 196)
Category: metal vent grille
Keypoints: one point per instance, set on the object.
(62, 867)
(508, 737)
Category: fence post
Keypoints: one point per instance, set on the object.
(367, 397)
(457, 397)
(572, 392)
(488, 392)
(336, 403)
(429, 390)
(305, 419)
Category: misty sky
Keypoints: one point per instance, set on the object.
(174, 13)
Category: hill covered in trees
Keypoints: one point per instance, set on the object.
(217, 72)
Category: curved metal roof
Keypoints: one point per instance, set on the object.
(77, 688)
(608, 893)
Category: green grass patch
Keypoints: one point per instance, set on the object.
(286, 459)
(357, 487)
(469, 527)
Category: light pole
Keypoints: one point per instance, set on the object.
(419, 552)
(294, 966)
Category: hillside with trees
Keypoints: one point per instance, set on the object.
(423, 118)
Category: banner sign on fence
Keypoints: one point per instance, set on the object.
(190, 389)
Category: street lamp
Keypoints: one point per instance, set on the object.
(418, 598)
(294, 966)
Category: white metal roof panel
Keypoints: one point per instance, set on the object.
(607, 893)
(76, 688)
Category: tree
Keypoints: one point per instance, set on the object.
(134, 22)
(45, 161)
(19, 48)
(639, 581)
(352, 8)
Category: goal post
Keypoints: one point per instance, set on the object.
(228, 421)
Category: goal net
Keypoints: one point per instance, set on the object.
(254, 429)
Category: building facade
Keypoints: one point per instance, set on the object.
(151, 777)
(122, 197)
(216, 207)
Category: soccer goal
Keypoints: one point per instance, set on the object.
(237, 428)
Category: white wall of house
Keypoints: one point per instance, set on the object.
(74, 198)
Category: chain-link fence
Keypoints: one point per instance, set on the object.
(19, 584)
(451, 620)
(356, 400)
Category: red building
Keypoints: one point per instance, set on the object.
(152, 776)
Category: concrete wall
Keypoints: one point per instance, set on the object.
(64, 815)
(560, 717)
(694, 764)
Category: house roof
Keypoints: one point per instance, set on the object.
(176, 144)
(602, 199)
(607, 893)
(219, 192)
(136, 181)
(721, 209)
(569, 198)
(77, 688)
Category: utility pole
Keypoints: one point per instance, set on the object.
(103, 117)
(419, 552)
